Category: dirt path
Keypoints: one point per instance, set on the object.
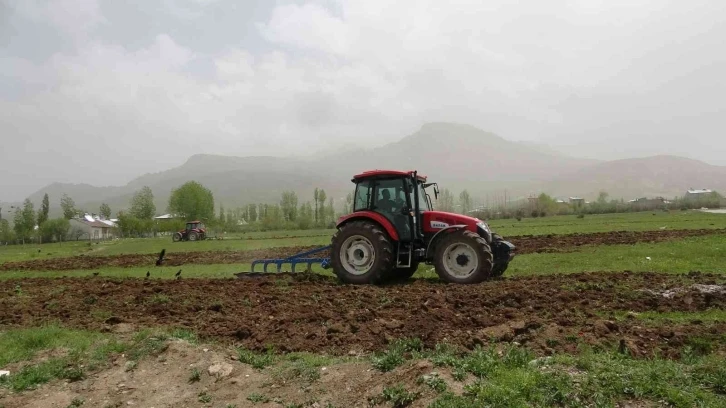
(525, 244)
(292, 314)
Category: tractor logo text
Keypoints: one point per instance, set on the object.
(438, 224)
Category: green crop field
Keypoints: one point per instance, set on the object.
(640, 221)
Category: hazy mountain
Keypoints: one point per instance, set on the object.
(666, 176)
(454, 155)
(233, 181)
(461, 156)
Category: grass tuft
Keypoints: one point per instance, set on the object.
(255, 359)
(398, 352)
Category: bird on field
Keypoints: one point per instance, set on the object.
(148, 274)
(178, 274)
(95, 273)
(161, 257)
(621, 346)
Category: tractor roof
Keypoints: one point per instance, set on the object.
(385, 173)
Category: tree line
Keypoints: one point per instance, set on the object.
(193, 201)
(29, 225)
(545, 205)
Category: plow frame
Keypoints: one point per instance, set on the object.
(294, 260)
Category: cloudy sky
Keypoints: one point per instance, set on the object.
(101, 91)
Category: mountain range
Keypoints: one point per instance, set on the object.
(456, 156)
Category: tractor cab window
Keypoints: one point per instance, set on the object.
(390, 195)
(423, 202)
(424, 199)
(363, 193)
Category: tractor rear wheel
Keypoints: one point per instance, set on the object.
(361, 253)
(193, 236)
(463, 257)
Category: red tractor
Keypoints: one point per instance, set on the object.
(393, 229)
(194, 231)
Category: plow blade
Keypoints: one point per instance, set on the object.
(297, 259)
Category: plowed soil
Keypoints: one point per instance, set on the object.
(134, 260)
(568, 243)
(309, 312)
(525, 244)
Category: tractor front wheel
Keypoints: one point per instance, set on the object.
(463, 257)
(176, 237)
(361, 253)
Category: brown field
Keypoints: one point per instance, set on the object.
(308, 312)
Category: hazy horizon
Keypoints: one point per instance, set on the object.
(95, 92)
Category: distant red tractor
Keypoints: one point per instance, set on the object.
(194, 231)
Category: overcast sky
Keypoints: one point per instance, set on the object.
(101, 91)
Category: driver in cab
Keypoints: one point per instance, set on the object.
(385, 203)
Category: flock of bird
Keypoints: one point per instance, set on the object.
(159, 262)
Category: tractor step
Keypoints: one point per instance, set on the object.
(291, 260)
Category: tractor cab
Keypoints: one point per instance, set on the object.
(194, 230)
(195, 225)
(393, 227)
(397, 196)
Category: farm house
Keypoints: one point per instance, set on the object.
(92, 228)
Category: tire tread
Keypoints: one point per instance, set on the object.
(480, 244)
(384, 252)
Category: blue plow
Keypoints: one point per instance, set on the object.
(293, 260)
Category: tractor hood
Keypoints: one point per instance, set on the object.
(437, 220)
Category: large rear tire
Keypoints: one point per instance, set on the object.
(463, 257)
(193, 236)
(361, 253)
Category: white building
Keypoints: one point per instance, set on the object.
(94, 228)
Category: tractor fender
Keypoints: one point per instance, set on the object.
(437, 236)
(371, 216)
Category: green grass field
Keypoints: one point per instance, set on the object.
(641, 221)
(155, 245)
(529, 226)
(705, 254)
(697, 253)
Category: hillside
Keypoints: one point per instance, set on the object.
(460, 156)
(470, 158)
(666, 176)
